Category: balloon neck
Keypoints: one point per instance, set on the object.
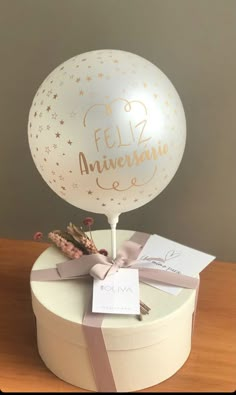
(113, 221)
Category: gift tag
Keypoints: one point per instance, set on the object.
(164, 254)
(117, 294)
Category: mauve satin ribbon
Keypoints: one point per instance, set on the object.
(99, 266)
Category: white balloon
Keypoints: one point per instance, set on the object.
(107, 131)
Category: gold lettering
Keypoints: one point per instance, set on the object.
(96, 164)
(83, 164)
(97, 138)
(132, 131)
(135, 158)
(165, 150)
(121, 161)
(120, 139)
(139, 158)
(141, 137)
(162, 150)
(107, 137)
(110, 163)
(129, 161)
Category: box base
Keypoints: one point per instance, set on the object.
(141, 354)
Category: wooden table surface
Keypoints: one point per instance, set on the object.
(211, 366)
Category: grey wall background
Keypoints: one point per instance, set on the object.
(193, 42)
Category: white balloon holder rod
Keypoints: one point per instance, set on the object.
(113, 222)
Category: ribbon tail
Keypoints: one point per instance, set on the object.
(45, 275)
(140, 238)
(169, 278)
(103, 375)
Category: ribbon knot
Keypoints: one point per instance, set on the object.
(106, 266)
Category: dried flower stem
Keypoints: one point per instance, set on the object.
(91, 237)
(144, 308)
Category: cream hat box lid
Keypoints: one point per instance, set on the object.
(141, 353)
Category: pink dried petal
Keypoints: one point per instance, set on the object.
(77, 255)
(70, 246)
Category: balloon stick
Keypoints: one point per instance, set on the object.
(113, 222)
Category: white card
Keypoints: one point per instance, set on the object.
(117, 294)
(164, 254)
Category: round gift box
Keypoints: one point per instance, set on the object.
(141, 353)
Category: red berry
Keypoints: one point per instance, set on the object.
(88, 221)
(38, 236)
(103, 252)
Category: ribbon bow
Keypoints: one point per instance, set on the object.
(100, 266)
